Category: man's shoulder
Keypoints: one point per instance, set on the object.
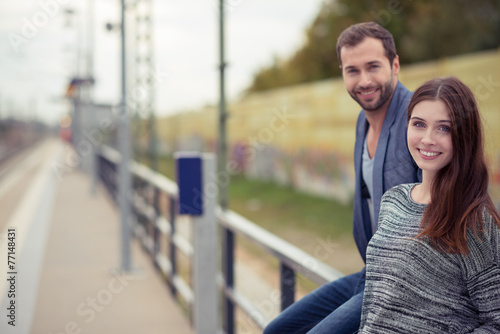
(401, 89)
(402, 94)
(361, 118)
(401, 97)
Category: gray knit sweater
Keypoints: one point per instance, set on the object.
(412, 288)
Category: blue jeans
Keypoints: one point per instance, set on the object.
(332, 308)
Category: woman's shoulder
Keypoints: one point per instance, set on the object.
(399, 198)
(400, 191)
(398, 208)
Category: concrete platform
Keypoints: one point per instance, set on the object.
(66, 271)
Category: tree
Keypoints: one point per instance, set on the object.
(422, 30)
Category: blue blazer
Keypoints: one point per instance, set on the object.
(393, 164)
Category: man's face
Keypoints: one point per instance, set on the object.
(368, 75)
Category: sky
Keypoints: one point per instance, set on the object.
(42, 46)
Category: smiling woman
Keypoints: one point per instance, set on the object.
(437, 245)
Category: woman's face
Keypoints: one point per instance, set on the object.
(429, 136)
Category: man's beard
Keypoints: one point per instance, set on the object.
(385, 94)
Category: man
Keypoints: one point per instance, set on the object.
(370, 68)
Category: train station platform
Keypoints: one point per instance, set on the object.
(60, 255)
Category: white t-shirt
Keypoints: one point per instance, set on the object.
(367, 170)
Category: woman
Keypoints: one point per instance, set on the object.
(433, 264)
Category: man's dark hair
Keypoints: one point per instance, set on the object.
(356, 33)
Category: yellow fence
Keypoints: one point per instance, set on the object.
(304, 135)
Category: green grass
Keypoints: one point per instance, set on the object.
(278, 208)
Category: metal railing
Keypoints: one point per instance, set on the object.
(292, 260)
(154, 201)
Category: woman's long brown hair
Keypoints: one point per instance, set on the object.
(459, 192)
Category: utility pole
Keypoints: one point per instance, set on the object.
(222, 149)
(124, 171)
(228, 235)
(90, 90)
(144, 76)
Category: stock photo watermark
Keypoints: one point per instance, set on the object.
(89, 309)
(486, 87)
(384, 16)
(12, 273)
(31, 26)
(336, 7)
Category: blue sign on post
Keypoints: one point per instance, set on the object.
(189, 181)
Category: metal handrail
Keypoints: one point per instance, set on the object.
(301, 261)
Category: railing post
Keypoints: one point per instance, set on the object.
(172, 248)
(156, 232)
(98, 165)
(198, 198)
(228, 272)
(287, 285)
(113, 172)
